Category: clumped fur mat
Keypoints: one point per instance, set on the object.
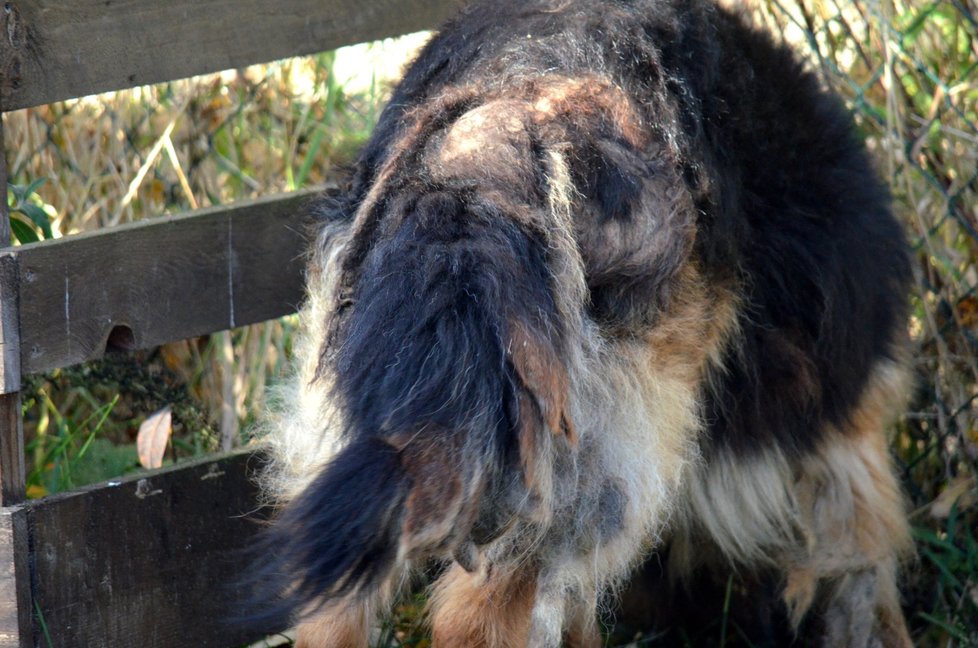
(608, 277)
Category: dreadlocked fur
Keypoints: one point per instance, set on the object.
(610, 277)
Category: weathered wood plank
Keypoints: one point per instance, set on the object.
(9, 323)
(9, 616)
(169, 278)
(15, 612)
(4, 213)
(148, 561)
(12, 469)
(58, 49)
(12, 475)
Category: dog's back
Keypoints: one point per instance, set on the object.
(609, 275)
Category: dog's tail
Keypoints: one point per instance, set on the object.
(449, 371)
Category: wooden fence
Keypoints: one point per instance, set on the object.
(144, 561)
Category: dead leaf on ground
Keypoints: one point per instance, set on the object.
(154, 433)
(968, 311)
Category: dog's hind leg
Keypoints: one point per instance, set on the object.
(564, 610)
(829, 523)
(337, 625)
(510, 609)
(859, 614)
(855, 531)
(847, 570)
(479, 610)
(581, 629)
(345, 622)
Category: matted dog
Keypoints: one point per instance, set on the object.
(609, 275)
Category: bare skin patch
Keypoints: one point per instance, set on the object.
(563, 101)
(612, 503)
(489, 144)
(479, 131)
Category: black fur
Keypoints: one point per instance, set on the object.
(819, 251)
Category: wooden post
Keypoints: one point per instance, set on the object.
(12, 471)
(16, 621)
(15, 617)
(5, 221)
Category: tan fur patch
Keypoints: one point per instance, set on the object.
(687, 341)
(476, 611)
(856, 463)
(542, 372)
(336, 626)
(690, 337)
(346, 622)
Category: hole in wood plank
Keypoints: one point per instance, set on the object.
(121, 339)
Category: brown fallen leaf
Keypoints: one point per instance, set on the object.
(968, 311)
(154, 433)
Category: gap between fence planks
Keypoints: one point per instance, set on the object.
(160, 280)
(51, 50)
(151, 560)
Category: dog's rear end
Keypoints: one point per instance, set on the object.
(608, 277)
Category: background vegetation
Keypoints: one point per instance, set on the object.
(907, 68)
